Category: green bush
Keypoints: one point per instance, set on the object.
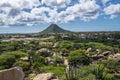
(7, 59)
(58, 59)
(78, 57)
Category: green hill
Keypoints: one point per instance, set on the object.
(53, 28)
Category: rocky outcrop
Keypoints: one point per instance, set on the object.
(97, 57)
(105, 55)
(15, 73)
(115, 56)
(101, 56)
(46, 76)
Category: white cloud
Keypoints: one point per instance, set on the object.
(85, 10)
(19, 3)
(47, 14)
(113, 10)
(12, 11)
(56, 3)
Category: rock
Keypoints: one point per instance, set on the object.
(97, 51)
(44, 49)
(97, 57)
(110, 56)
(56, 44)
(64, 54)
(66, 61)
(88, 50)
(46, 76)
(24, 58)
(15, 73)
(50, 61)
(54, 54)
(106, 53)
(103, 55)
(115, 56)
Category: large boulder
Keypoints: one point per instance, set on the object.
(46, 76)
(15, 73)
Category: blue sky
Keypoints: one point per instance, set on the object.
(31, 16)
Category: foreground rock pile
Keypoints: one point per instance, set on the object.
(16, 73)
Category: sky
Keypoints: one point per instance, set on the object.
(31, 16)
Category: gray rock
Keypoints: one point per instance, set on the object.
(15, 73)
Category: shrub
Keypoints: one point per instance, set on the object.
(58, 60)
(78, 57)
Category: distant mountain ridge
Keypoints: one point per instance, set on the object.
(53, 28)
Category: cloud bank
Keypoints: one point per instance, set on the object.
(35, 12)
